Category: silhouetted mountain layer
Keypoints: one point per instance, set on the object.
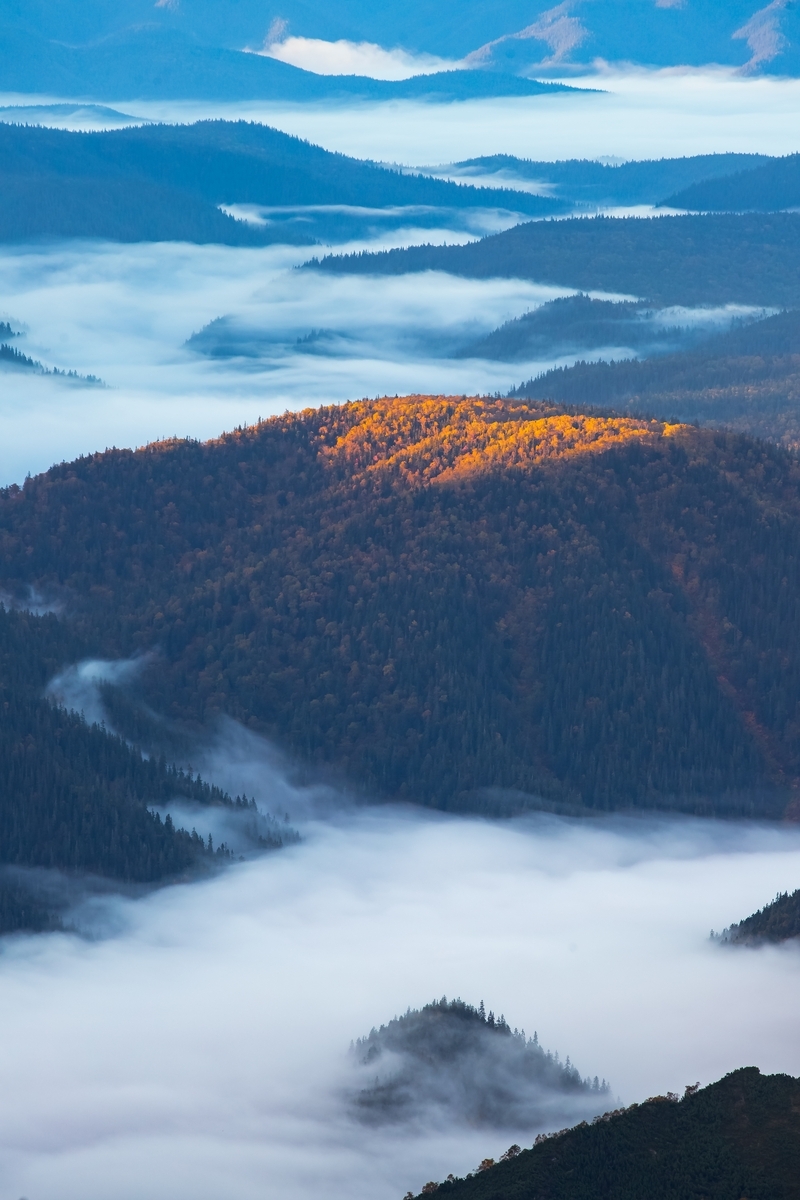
(690, 260)
(573, 324)
(468, 603)
(449, 1060)
(747, 379)
(164, 182)
(145, 62)
(737, 1138)
(515, 35)
(584, 181)
(769, 187)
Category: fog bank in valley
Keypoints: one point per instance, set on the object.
(202, 1049)
(128, 311)
(625, 114)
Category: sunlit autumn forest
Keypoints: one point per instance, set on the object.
(458, 601)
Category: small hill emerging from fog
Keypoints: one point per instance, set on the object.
(737, 1138)
(775, 922)
(449, 1061)
(469, 603)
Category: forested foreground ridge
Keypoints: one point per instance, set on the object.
(451, 1059)
(737, 1138)
(469, 603)
(747, 379)
(711, 259)
(74, 797)
(775, 922)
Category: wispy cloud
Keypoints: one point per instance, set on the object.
(350, 58)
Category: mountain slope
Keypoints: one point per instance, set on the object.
(769, 187)
(688, 260)
(574, 32)
(463, 602)
(775, 922)
(164, 182)
(747, 380)
(737, 1138)
(146, 61)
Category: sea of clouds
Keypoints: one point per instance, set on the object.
(196, 1046)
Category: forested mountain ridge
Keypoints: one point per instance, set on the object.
(739, 1137)
(165, 182)
(712, 259)
(75, 797)
(467, 603)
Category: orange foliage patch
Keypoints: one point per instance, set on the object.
(423, 439)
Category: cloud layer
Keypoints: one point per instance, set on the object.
(202, 1050)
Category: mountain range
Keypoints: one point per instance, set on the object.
(515, 37)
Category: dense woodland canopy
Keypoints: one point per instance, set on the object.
(714, 259)
(647, 181)
(75, 797)
(737, 1138)
(468, 603)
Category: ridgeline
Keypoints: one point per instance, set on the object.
(473, 604)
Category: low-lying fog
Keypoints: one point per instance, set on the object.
(632, 113)
(201, 1049)
(194, 340)
(124, 313)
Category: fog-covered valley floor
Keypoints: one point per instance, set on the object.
(199, 1049)
(125, 313)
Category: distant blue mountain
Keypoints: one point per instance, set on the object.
(174, 49)
(512, 35)
(151, 62)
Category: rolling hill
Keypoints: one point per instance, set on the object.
(768, 187)
(472, 604)
(165, 182)
(684, 260)
(513, 36)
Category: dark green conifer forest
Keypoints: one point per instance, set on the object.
(471, 604)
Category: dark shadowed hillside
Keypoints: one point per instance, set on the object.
(165, 182)
(750, 259)
(775, 922)
(73, 796)
(449, 1060)
(468, 603)
(767, 187)
(738, 1138)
